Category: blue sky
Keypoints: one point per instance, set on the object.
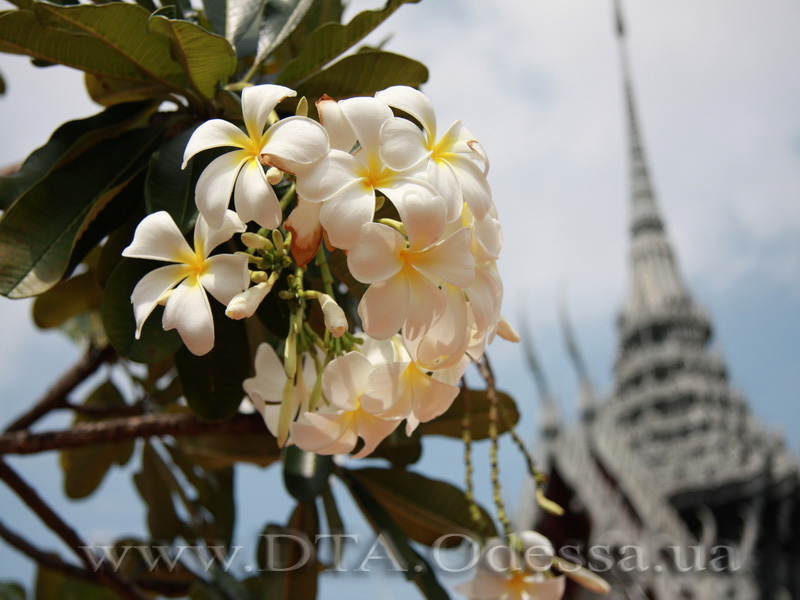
(539, 83)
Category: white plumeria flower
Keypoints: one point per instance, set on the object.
(288, 145)
(448, 162)
(186, 309)
(356, 401)
(404, 291)
(505, 574)
(265, 390)
(346, 183)
(448, 339)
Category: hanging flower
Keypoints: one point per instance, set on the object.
(288, 144)
(186, 306)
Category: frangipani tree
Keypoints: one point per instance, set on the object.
(271, 240)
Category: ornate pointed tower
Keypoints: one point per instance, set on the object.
(673, 458)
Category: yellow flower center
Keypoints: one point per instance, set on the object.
(516, 584)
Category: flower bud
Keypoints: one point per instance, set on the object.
(335, 319)
(506, 331)
(244, 304)
(254, 241)
(274, 175)
(258, 276)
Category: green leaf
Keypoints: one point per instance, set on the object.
(305, 474)
(11, 591)
(106, 39)
(233, 18)
(163, 521)
(416, 568)
(2, 85)
(426, 509)
(280, 19)
(110, 91)
(171, 189)
(67, 299)
(54, 585)
(363, 74)
(120, 325)
(35, 252)
(331, 40)
(208, 59)
(335, 525)
(321, 12)
(212, 383)
(85, 468)
(67, 143)
(399, 449)
(449, 424)
(220, 451)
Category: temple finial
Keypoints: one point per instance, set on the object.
(588, 399)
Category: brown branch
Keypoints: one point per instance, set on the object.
(56, 397)
(55, 563)
(56, 524)
(106, 411)
(119, 430)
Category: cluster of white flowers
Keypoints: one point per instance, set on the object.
(434, 293)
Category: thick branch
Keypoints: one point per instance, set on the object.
(53, 521)
(56, 397)
(119, 430)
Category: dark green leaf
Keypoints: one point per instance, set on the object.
(333, 39)
(449, 424)
(305, 474)
(105, 39)
(321, 12)
(111, 252)
(53, 585)
(364, 74)
(163, 521)
(280, 19)
(110, 91)
(233, 19)
(212, 383)
(399, 449)
(207, 59)
(35, 252)
(67, 299)
(426, 509)
(335, 525)
(171, 189)
(2, 85)
(415, 566)
(117, 312)
(85, 468)
(221, 451)
(67, 143)
(11, 591)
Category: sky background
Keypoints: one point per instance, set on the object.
(539, 83)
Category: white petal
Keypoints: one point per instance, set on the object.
(383, 351)
(254, 198)
(208, 237)
(270, 376)
(547, 589)
(213, 192)
(484, 586)
(485, 297)
(214, 134)
(306, 230)
(258, 101)
(345, 378)
(150, 288)
(325, 178)
(421, 209)
(333, 315)
(450, 260)
(425, 305)
(432, 398)
(474, 187)
(386, 391)
(373, 431)
(413, 102)
(225, 275)
(441, 176)
(458, 139)
(324, 433)
(188, 311)
(377, 256)
(402, 144)
(384, 306)
(295, 141)
(489, 235)
(366, 116)
(346, 213)
(158, 238)
(340, 132)
(446, 342)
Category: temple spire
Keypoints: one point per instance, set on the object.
(550, 420)
(588, 398)
(656, 285)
